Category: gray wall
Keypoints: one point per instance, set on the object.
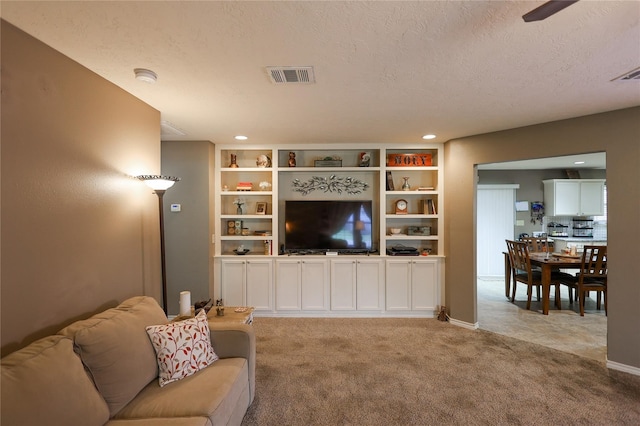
(618, 134)
(79, 234)
(189, 251)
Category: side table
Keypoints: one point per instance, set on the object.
(232, 314)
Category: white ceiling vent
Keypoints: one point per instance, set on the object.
(631, 75)
(291, 75)
(169, 129)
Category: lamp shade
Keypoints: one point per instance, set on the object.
(158, 183)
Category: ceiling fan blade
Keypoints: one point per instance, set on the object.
(547, 9)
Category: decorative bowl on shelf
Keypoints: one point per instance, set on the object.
(395, 230)
(241, 252)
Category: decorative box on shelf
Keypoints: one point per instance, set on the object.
(409, 160)
(419, 230)
(327, 162)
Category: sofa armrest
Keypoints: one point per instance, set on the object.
(236, 341)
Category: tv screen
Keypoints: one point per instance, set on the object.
(328, 225)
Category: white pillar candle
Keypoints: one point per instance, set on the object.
(185, 303)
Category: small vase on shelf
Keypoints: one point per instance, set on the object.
(405, 184)
(233, 164)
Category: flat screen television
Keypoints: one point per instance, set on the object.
(343, 226)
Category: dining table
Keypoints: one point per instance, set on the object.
(547, 262)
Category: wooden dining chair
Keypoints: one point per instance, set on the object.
(592, 276)
(523, 273)
(536, 244)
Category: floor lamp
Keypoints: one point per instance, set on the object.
(160, 184)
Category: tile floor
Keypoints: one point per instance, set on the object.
(563, 329)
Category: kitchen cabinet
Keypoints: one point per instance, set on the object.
(574, 197)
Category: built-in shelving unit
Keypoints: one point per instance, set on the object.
(317, 285)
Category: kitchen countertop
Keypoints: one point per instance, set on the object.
(578, 239)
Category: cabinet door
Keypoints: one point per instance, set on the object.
(288, 285)
(398, 283)
(370, 285)
(314, 285)
(567, 198)
(343, 285)
(592, 198)
(424, 285)
(233, 277)
(259, 280)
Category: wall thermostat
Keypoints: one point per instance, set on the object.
(176, 207)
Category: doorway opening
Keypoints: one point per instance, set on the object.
(562, 329)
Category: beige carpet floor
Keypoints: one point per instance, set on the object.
(313, 371)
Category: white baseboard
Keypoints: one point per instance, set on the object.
(463, 324)
(623, 367)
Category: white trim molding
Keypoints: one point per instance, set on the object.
(623, 367)
(463, 324)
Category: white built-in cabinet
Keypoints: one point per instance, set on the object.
(302, 284)
(574, 197)
(353, 285)
(412, 285)
(247, 282)
(357, 284)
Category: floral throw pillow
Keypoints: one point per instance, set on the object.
(182, 348)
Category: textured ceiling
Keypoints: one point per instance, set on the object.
(385, 71)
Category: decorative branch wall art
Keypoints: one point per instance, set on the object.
(331, 184)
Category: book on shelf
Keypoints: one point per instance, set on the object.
(427, 206)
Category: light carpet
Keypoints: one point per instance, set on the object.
(390, 371)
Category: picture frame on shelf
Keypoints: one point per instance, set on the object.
(261, 208)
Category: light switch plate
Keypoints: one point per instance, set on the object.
(519, 222)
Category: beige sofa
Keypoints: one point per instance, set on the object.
(103, 370)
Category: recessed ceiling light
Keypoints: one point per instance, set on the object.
(241, 138)
(578, 162)
(147, 76)
(429, 136)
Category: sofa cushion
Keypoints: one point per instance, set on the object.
(46, 384)
(182, 347)
(116, 350)
(214, 392)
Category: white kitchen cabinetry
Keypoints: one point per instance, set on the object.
(302, 284)
(247, 282)
(574, 197)
(412, 285)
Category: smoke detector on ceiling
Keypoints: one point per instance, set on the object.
(634, 74)
(288, 75)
